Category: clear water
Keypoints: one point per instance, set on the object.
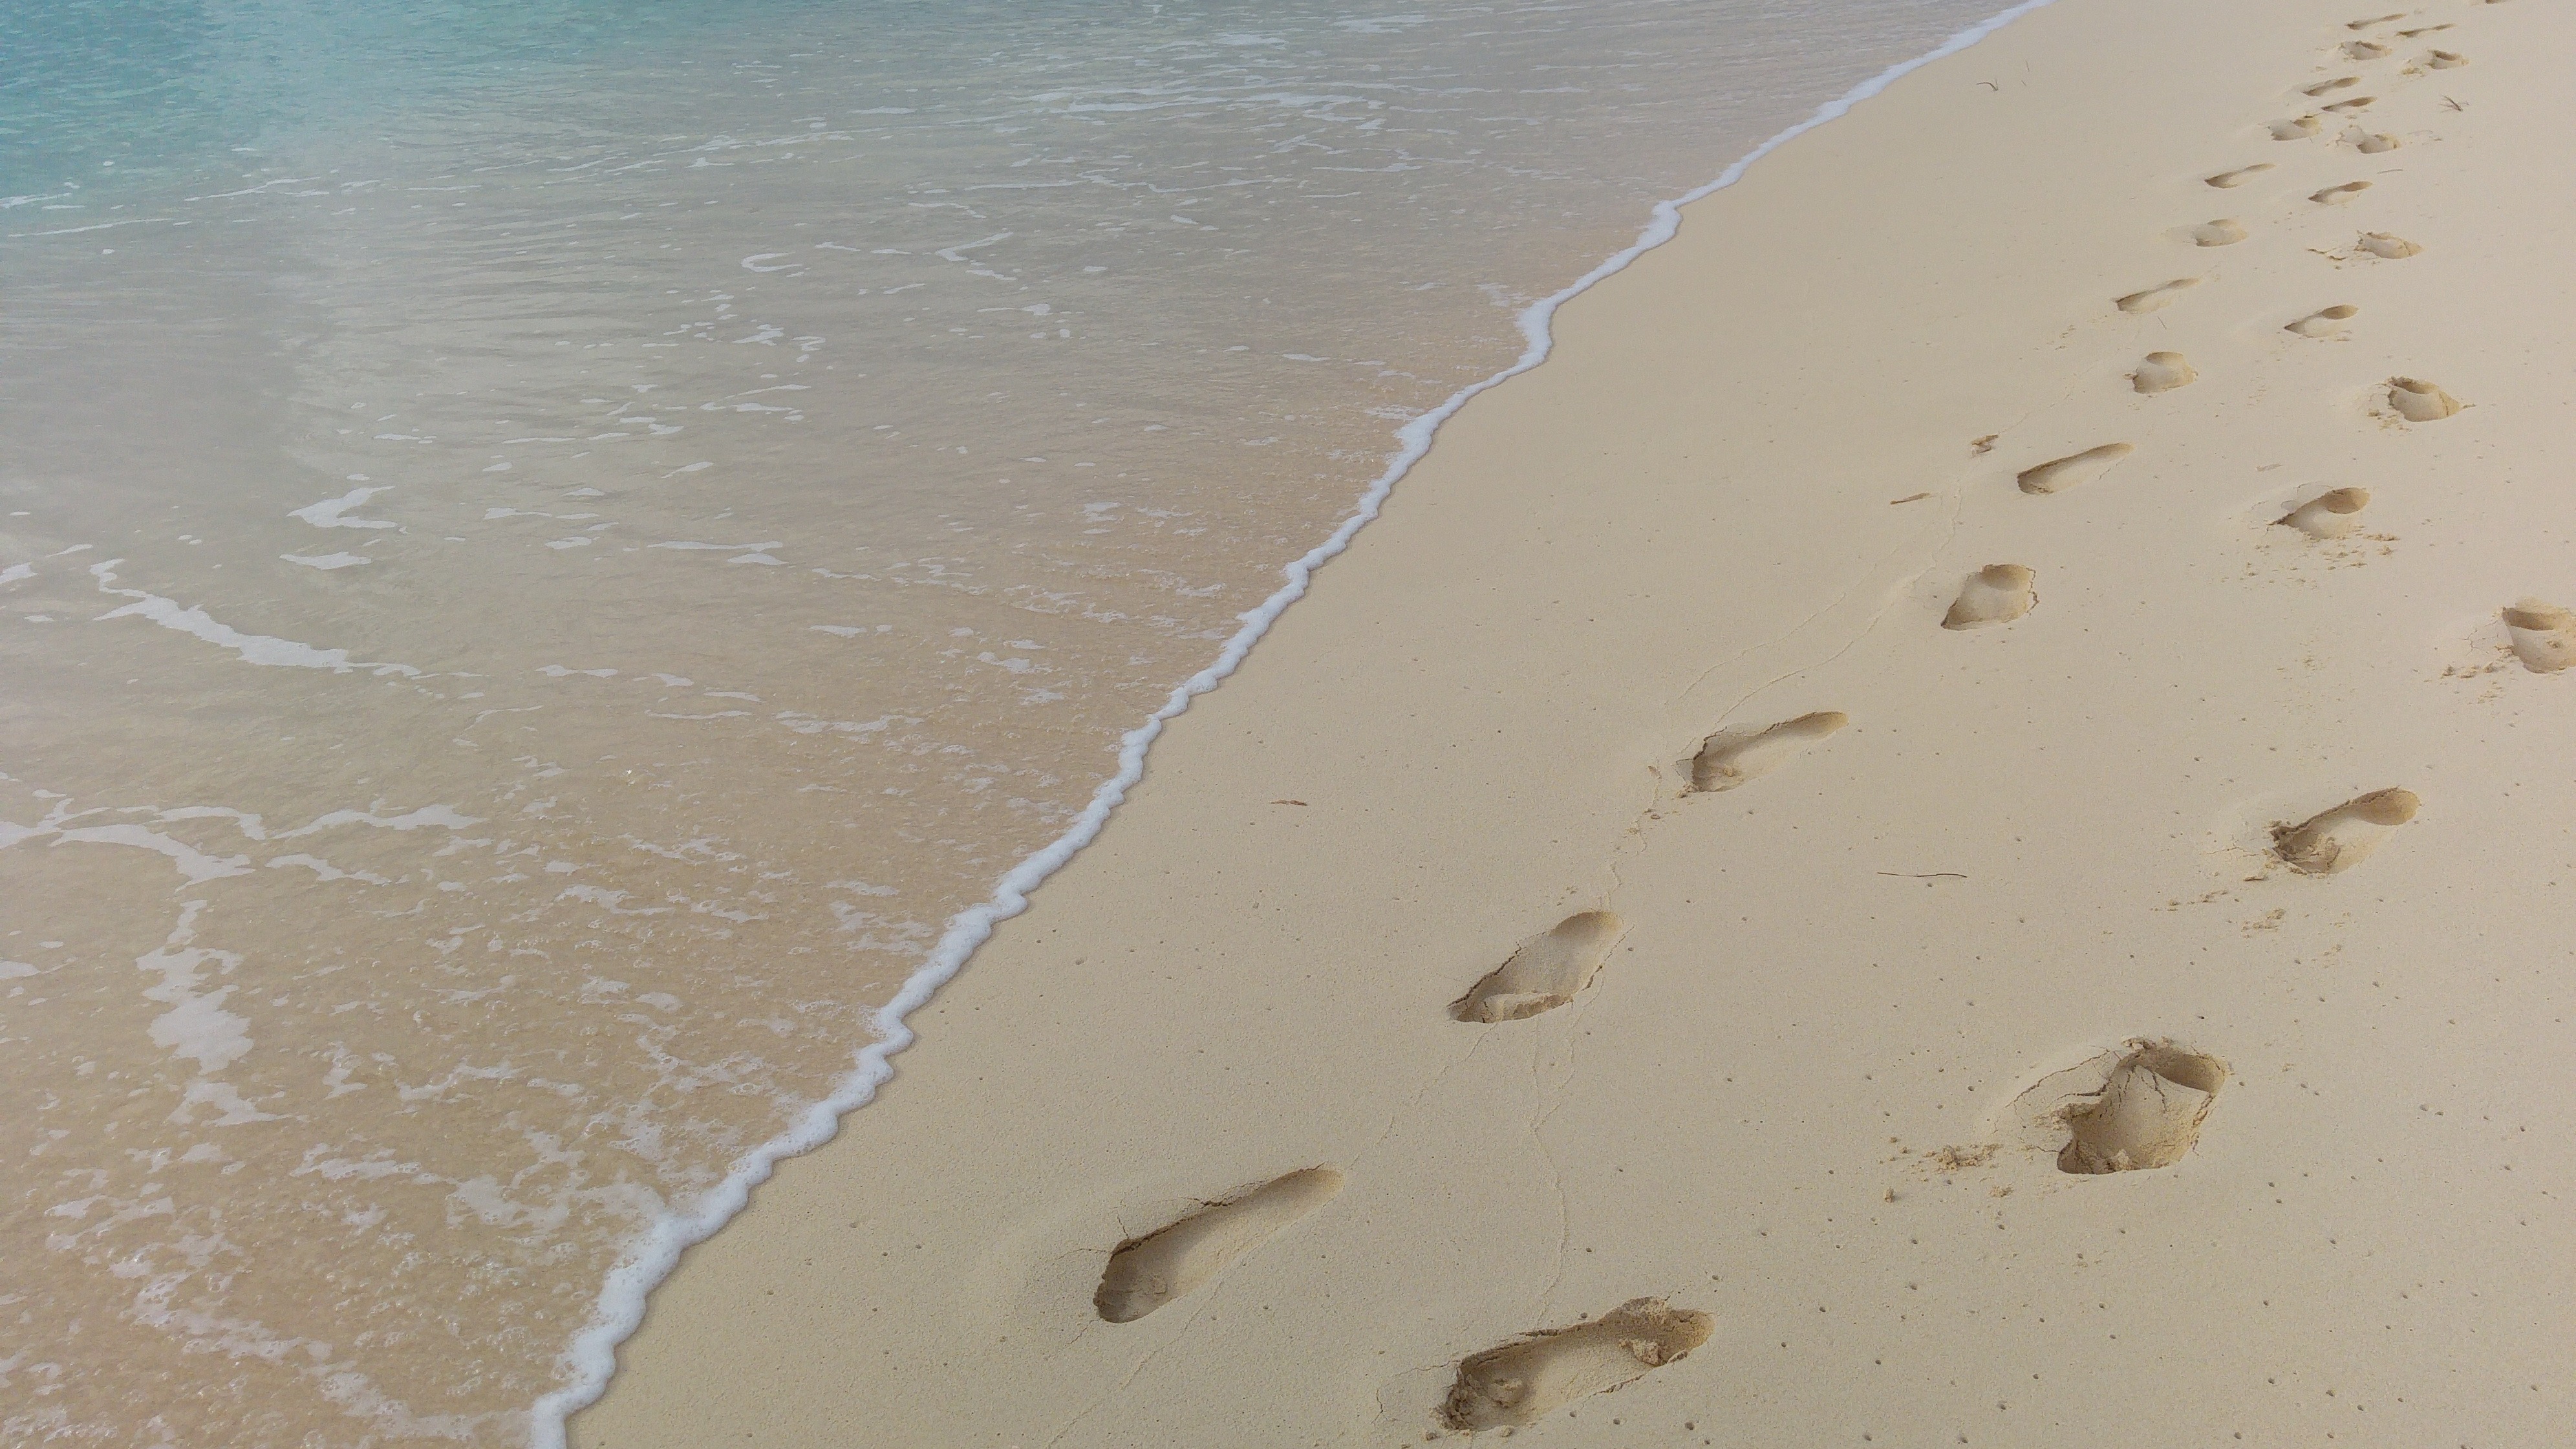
(549, 547)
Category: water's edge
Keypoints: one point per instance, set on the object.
(591, 1358)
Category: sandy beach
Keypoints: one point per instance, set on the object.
(1831, 854)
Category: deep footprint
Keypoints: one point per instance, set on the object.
(2337, 84)
(2388, 248)
(2229, 180)
(2225, 232)
(2338, 195)
(2157, 298)
(2357, 103)
(2543, 634)
(2418, 401)
(2148, 1114)
(1730, 758)
(2328, 515)
(1524, 1381)
(2163, 372)
(2343, 837)
(2074, 470)
(1995, 594)
(2324, 323)
(1146, 1273)
(1545, 971)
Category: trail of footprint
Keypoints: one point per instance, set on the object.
(1545, 971)
(2229, 180)
(2328, 515)
(2338, 195)
(1524, 1381)
(1995, 594)
(2148, 1114)
(1734, 757)
(2225, 232)
(2371, 143)
(2388, 247)
(2163, 372)
(2337, 84)
(2339, 839)
(1146, 1273)
(2059, 474)
(2324, 323)
(2543, 634)
(2156, 298)
(2418, 401)
(2297, 128)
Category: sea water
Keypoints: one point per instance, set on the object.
(552, 548)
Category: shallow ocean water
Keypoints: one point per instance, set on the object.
(549, 547)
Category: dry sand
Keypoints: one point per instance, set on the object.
(1981, 1071)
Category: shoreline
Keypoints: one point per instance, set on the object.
(1455, 738)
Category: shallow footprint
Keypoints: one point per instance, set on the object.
(1524, 1381)
(2148, 1114)
(2338, 195)
(2324, 323)
(2157, 298)
(1543, 972)
(2343, 837)
(2059, 474)
(2371, 143)
(2374, 20)
(2363, 50)
(2226, 231)
(1146, 1273)
(1995, 594)
(2445, 60)
(2328, 515)
(2163, 372)
(2339, 83)
(2296, 129)
(2229, 180)
(1730, 758)
(2418, 401)
(2544, 635)
(2424, 30)
(2388, 247)
(2357, 103)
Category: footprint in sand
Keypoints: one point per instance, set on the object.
(2328, 515)
(1545, 971)
(2543, 634)
(2424, 30)
(2345, 108)
(2418, 401)
(1524, 1381)
(2325, 323)
(2338, 195)
(2163, 372)
(2156, 298)
(2343, 837)
(2148, 1113)
(1146, 1273)
(2328, 87)
(2364, 49)
(2298, 128)
(1995, 594)
(2075, 469)
(2225, 232)
(2386, 247)
(1734, 757)
(2445, 60)
(2374, 20)
(2229, 180)
(2371, 143)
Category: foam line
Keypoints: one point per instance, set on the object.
(592, 1357)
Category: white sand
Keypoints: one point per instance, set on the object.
(2037, 839)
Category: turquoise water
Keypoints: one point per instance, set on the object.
(551, 548)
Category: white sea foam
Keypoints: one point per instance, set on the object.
(328, 513)
(591, 1358)
(253, 648)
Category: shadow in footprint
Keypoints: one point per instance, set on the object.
(2357, 103)
(2418, 401)
(2227, 231)
(1995, 594)
(2148, 1113)
(2325, 322)
(2163, 372)
(2341, 838)
(1545, 971)
(2329, 87)
(2059, 474)
(2155, 299)
(2230, 180)
(2387, 247)
(1524, 1381)
(1735, 757)
(2543, 634)
(1146, 1273)
(2338, 195)
(2328, 515)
